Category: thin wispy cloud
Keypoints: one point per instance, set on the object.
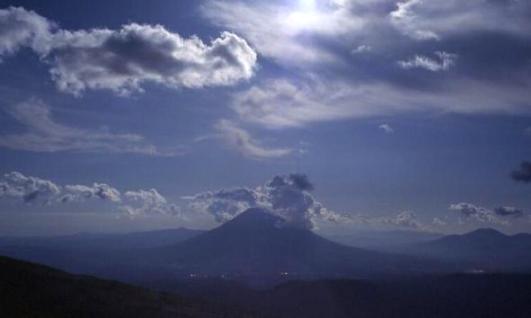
(442, 62)
(242, 141)
(44, 134)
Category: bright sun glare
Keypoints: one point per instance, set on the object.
(304, 15)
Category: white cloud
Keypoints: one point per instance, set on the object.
(277, 29)
(405, 219)
(244, 143)
(280, 103)
(123, 60)
(80, 193)
(21, 28)
(147, 202)
(443, 62)
(386, 128)
(27, 189)
(44, 134)
(432, 20)
(287, 196)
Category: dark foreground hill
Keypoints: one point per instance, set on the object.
(31, 290)
(439, 296)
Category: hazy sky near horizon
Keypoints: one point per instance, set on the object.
(133, 115)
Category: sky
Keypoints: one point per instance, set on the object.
(338, 115)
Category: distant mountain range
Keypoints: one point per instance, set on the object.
(260, 248)
(145, 239)
(484, 249)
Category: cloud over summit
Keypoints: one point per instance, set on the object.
(287, 196)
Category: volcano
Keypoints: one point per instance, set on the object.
(259, 244)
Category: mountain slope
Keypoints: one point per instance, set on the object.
(31, 290)
(484, 248)
(258, 244)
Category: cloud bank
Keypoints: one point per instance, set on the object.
(123, 60)
(36, 191)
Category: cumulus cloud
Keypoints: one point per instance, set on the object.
(509, 211)
(146, 202)
(44, 134)
(243, 142)
(287, 196)
(21, 28)
(79, 193)
(386, 128)
(28, 189)
(443, 62)
(478, 213)
(406, 219)
(523, 174)
(123, 60)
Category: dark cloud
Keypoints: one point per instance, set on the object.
(477, 213)
(523, 174)
(509, 211)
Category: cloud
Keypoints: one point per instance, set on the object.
(280, 30)
(28, 190)
(80, 193)
(439, 222)
(244, 143)
(523, 174)
(406, 219)
(509, 211)
(281, 103)
(478, 213)
(386, 128)
(443, 62)
(287, 196)
(433, 20)
(123, 60)
(44, 134)
(147, 202)
(21, 28)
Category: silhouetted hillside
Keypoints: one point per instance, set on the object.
(31, 290)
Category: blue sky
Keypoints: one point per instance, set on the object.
(403, 115)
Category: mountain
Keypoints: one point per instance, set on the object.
(383, 240)
(31, 290)
(108, 241)
(257, 245)
(485, 249)
(89, 253)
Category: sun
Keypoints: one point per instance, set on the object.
(304, 16)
